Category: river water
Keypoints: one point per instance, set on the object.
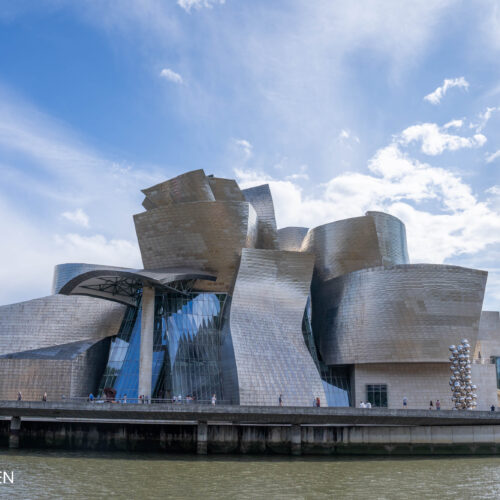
(75, 475)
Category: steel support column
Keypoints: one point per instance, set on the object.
(147, 332)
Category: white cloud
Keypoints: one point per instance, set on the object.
(484, 118)
(436, 96)
(434, 141)
(245, 147)
(346, 135)
(97, 249)
(493, 156)
(494, 190)
(78, 217)
(296, 177)
(171, 75)
(453, 124)
(187, 5)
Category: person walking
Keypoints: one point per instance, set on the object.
(280, 400)
(19, 396)
(91, 398)
(368, 404)
(124, 399)
(214, 399)
(44, 397)
(492, 408)
(405, 402)
(362, 405)
(438, 404)
(318, 402)
(431, 406)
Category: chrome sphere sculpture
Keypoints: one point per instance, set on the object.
(463, 396)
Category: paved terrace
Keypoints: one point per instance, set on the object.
(244, 414)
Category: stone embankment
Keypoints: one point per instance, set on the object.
(205, 429)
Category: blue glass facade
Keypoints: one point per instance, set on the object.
(186, 348)
(336, 380)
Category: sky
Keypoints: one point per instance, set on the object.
(342, 107)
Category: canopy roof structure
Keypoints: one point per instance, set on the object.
(122, 284)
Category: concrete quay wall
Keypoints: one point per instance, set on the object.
(212, 438)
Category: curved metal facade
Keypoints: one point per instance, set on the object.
(225, 189)
(56, 320)
(267, 309)
(207, 236)
(262, 201)
(229, 315)
(391, 234)
(191, 186)
(291, 238)
(488, 342)
(408, 313)
(55, 344)
(343, 246)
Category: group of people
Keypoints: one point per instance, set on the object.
(20, 396)
(141, 399)
(178, 399)
(364, 404)
(316, 401)
(437, 406)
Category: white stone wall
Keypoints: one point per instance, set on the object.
(422, 382)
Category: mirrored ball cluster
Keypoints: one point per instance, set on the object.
(464, 392)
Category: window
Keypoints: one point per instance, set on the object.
(376, 394)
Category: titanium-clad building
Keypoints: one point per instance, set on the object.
(227, 304)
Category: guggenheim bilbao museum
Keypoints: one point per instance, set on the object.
(227, 304)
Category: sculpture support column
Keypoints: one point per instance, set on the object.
(147, 332)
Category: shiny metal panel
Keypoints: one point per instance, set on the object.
(408, 313)
(69, 378)
(225, 189)
(267, 308)
(343, 246)
(488, 342)
(291, 238)
(261, 199)
(391, 234)
(191, 186)
(204, 235)
(56, 320)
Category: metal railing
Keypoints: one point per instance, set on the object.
(102, 400)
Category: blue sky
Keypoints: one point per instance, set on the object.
(341, 106)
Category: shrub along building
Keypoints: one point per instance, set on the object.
(228, 304)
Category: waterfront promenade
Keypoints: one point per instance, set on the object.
(244, 414)
(202, 429)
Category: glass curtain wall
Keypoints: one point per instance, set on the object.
(186, 349)
(336, 380)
